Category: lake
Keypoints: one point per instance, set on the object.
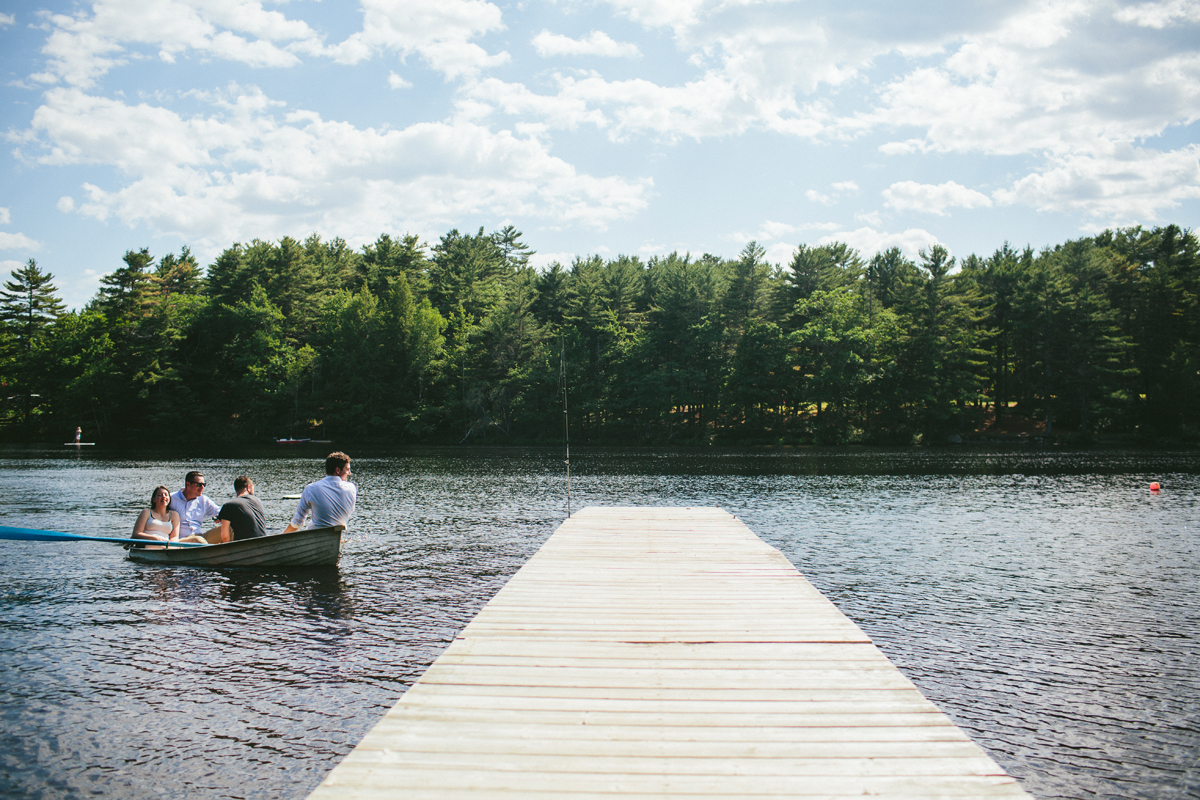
(1044, 599)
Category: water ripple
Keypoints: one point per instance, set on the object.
(1042, 599)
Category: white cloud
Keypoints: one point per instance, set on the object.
(1160, 15)
(749, 79)
(65, 204)
(440, 31)
(5, 216)
(707, 107)
(776, 230)
(839, 188)
(933, 199)
(542, 261)
(6, 20)
(77, 290)
(18, 241)
(84, 46)
(1033, 86)
(242, 172)
(1124, 186)
(596, 43)
(869, 241)
(773, 230)
(1069, 93)
(779, 253)
(560, 111)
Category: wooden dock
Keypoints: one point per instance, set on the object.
(663, 653)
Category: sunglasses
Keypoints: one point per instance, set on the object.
(201, 484)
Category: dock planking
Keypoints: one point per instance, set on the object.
(663, 653)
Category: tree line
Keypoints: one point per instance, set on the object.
(463, 341)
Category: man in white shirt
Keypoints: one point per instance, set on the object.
(329, 500)
(193, 507)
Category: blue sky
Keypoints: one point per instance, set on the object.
(610, 126)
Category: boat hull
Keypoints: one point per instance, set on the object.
(316, 547)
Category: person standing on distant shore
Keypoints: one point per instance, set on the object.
(330, 500)
(78, 434)
(243, 517)
(193, 508)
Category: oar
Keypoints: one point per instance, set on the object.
(35, 535)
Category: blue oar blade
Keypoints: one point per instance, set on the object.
(35, 535)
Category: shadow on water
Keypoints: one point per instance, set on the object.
(320, 591)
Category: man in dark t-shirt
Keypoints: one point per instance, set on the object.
(243, 517)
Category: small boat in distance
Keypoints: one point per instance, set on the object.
(315, 547)
(292, 441)
(79, 444)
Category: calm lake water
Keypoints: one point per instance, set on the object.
(1044, 599)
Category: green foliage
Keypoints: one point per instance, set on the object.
(29, 307)
(464, 341)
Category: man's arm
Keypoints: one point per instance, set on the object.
(302, 509)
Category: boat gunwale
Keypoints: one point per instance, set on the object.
(259, 551)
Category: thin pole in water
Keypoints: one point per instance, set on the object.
(562, 369)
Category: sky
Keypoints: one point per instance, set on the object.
(607, 127)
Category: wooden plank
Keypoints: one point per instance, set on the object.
(663, 765)
(663, 653)
(645, 719)
(384, 779)
(731, 752)
(547, 733)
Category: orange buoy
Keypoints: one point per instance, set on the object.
(1155, 488)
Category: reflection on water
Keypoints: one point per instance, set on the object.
(1043, 599)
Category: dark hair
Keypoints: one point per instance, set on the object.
(335, 461)
(152, 494)
(241, 483)
(191, 476)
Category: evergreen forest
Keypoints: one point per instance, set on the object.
(463, 341)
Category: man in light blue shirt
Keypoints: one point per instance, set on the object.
(193, 507)
(330, 500)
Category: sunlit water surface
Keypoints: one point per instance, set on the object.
(1045, 600)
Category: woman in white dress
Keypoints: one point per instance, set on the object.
(158, 522)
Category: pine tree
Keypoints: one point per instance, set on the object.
(178, 274)
(29, 304)
(28, 307)
(125, 292)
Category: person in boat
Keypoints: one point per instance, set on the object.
(158, 522)
(243, 517)
(193, 507)
(330, 501)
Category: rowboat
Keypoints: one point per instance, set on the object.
(292, 441)
(315, 547)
